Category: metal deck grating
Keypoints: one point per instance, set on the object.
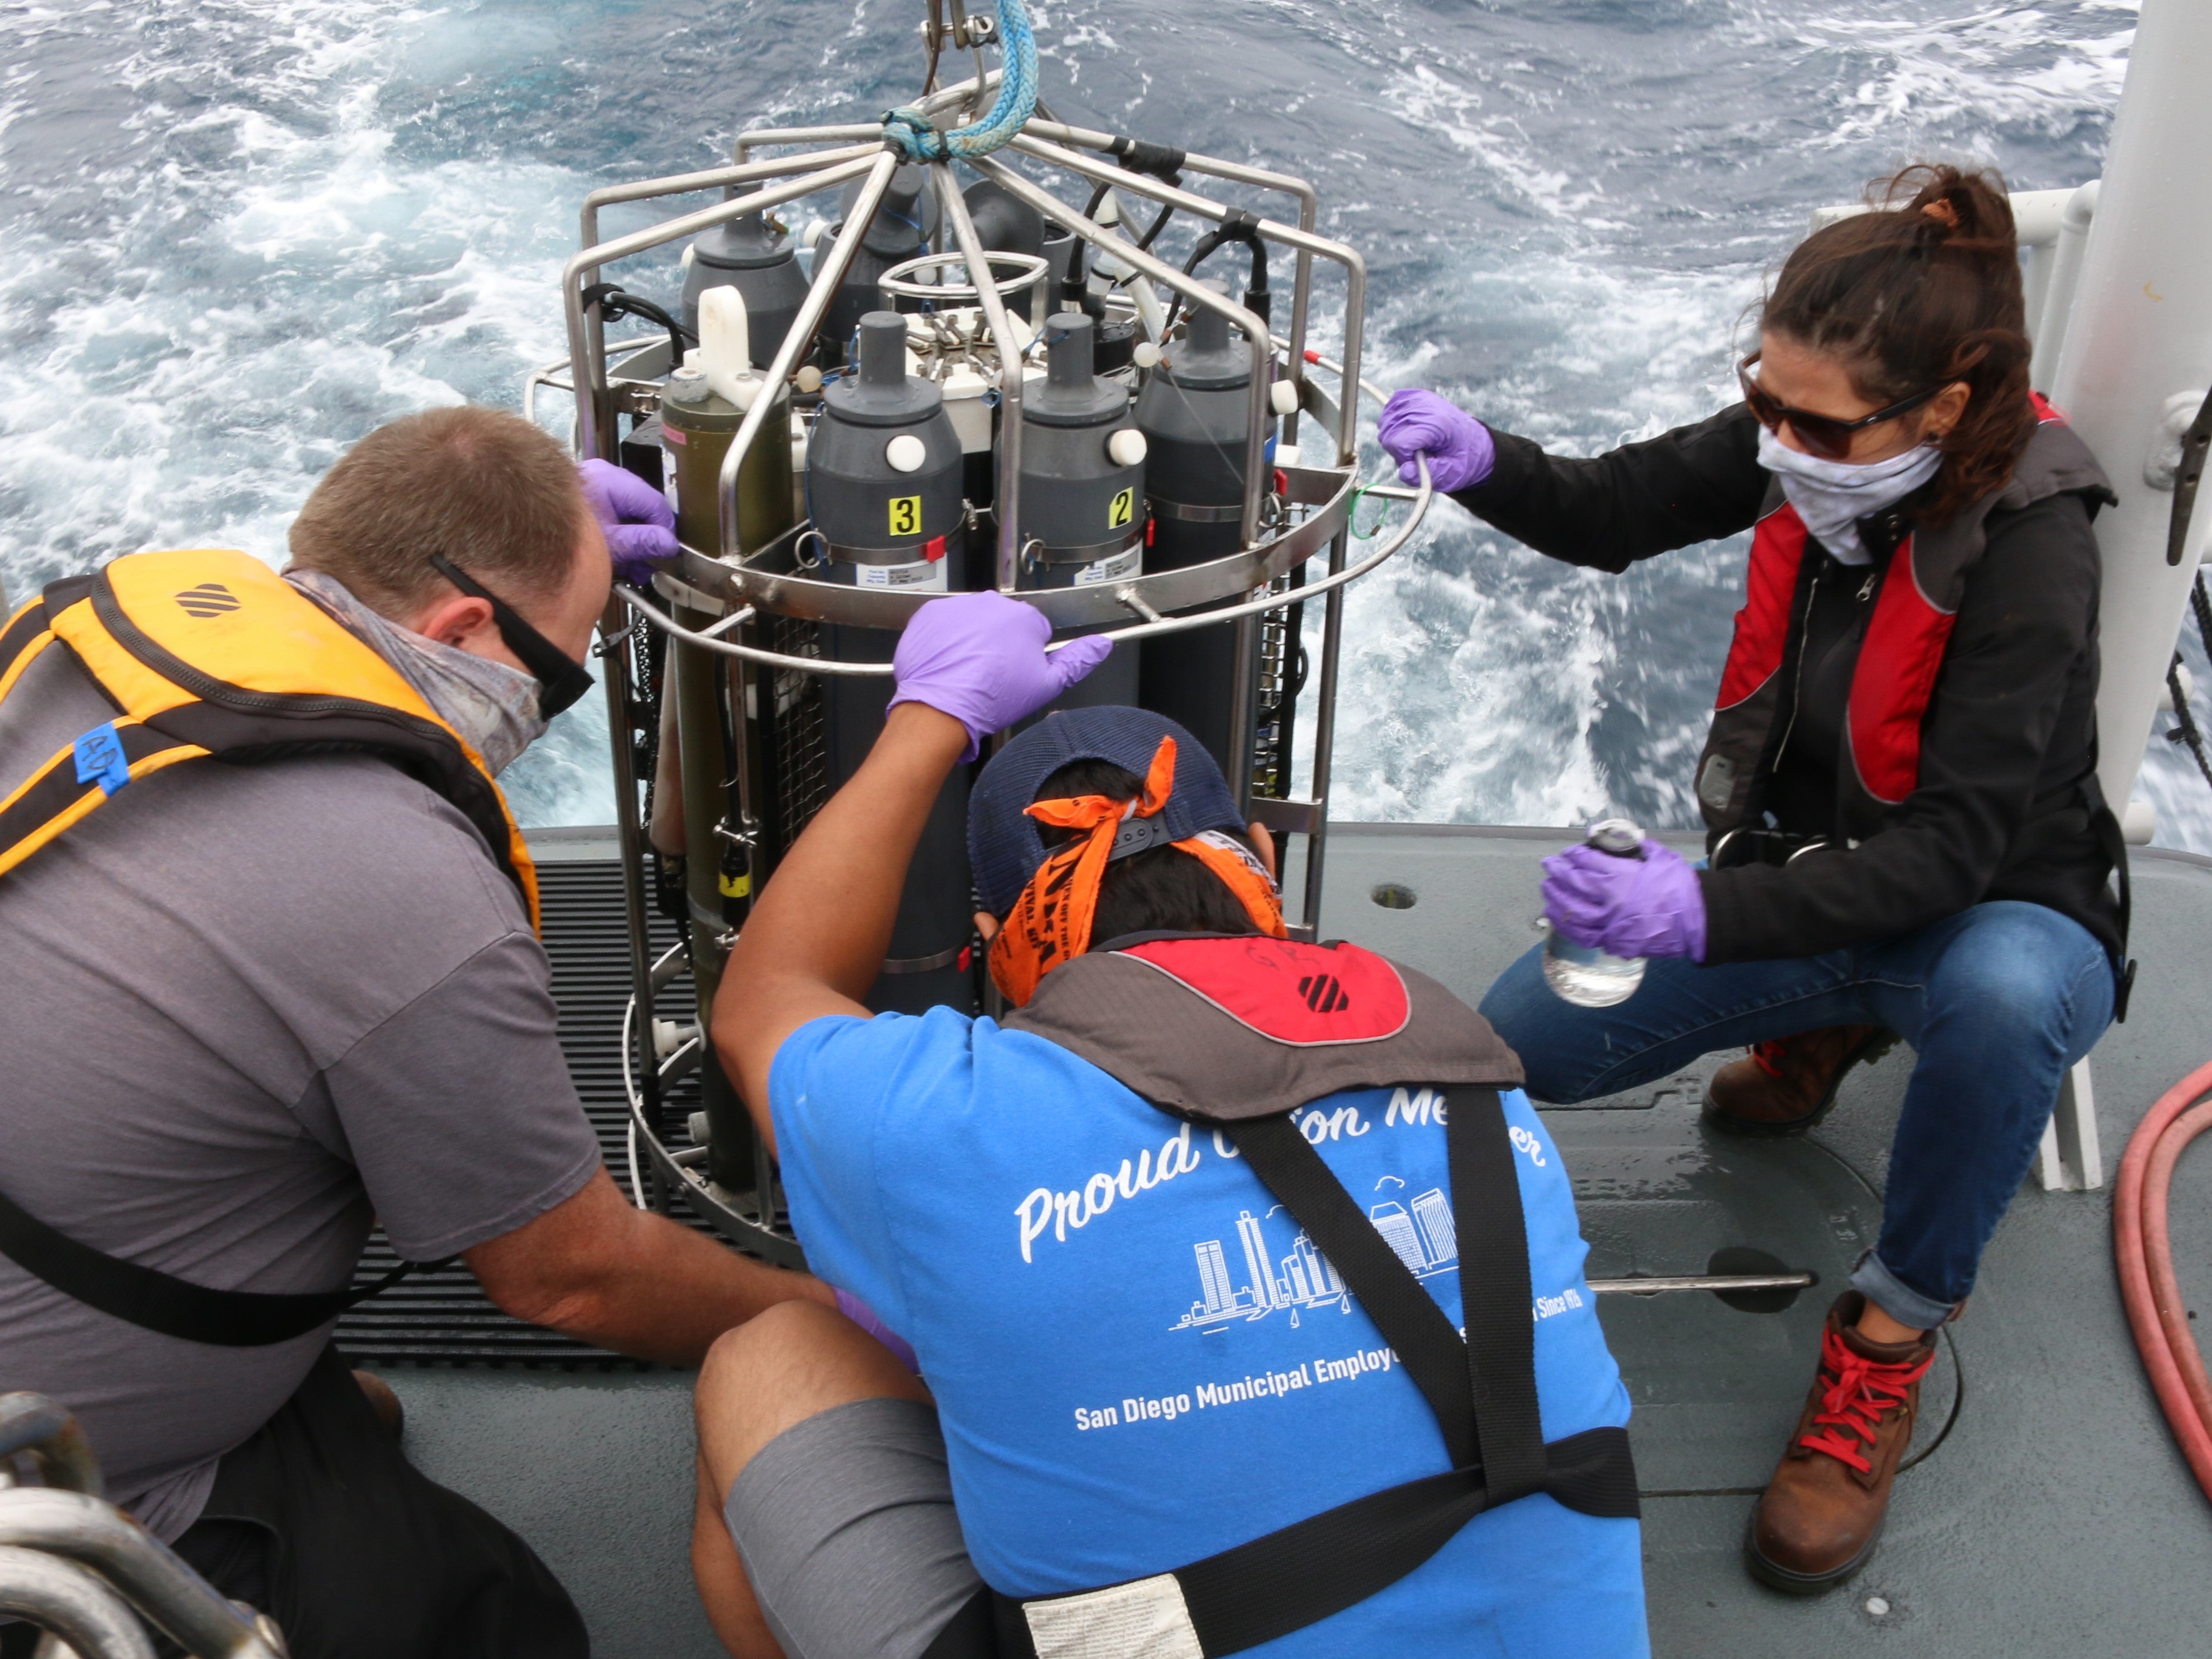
(442, 1316)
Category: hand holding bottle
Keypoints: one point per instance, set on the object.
(1643, 904)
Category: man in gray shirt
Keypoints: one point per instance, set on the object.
(250, 1010)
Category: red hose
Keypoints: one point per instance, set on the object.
(2145, 1259)
(2157, 1253)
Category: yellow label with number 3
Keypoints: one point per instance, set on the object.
(1123, 510)
(905, 516)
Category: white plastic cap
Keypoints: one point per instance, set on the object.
(906, 452)
(1283, 395)
(1127, 446)
(808, 380)
(1144, 355)
(725, 346)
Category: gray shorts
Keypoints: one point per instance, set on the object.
(846, 1527)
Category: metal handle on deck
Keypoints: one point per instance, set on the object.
(1717, 1283)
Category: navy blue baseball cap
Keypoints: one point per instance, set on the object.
(1005, 848)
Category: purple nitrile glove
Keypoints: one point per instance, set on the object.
(1459, 446)
(980, 659)
(1651, 906)
(640, 525)
(865, 1316)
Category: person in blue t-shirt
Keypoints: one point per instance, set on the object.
(1126, 1356)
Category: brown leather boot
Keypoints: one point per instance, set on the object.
(1787, 1084)
(1821, 1514)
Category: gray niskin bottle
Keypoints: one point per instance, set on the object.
(882, 485)
(1582, 974)
(746, 255)
(1083, 491)
(905, 219)
(884, 470)
(1006, 224)
(1195, 413)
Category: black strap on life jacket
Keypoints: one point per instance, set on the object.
(1483, 1391)
(2112, 843)
(159, 1301)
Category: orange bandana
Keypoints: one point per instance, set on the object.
(1050, 922)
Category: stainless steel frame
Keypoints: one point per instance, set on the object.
(740, 589)
(699, 582)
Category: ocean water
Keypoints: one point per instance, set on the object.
(238, 234)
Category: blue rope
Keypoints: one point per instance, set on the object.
(908, 129)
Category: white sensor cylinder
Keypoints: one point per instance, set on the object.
(906, 452)
(1127, 446)
(1283, 395)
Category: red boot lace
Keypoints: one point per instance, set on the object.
(1769, 1055)
(1861, 1392)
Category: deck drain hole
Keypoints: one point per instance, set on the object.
(1394, 895)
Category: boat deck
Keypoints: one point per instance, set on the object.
(2050, 1513)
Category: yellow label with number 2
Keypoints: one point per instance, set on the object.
(1123, 509)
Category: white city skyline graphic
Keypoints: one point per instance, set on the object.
(1420, 1233)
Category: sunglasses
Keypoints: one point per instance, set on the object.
(561, 678)
(1821, 435)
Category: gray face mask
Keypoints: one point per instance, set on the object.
(493, 707)
(1832, 496)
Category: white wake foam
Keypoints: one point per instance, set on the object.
(297, 230)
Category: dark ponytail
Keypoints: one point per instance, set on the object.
(1921, 291)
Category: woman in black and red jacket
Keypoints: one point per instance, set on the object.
(1900, 782)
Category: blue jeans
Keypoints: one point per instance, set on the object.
(1999, 1001)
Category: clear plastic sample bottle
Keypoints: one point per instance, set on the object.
(1582, 975)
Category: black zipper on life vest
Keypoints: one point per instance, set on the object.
(1845, 764)
(1797, 668)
